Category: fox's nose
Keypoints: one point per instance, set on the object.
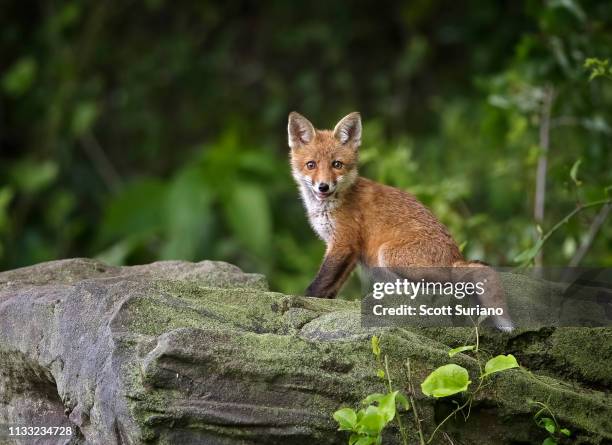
(323, 187)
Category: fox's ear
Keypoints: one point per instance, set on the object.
(300, 130)
(349, 129)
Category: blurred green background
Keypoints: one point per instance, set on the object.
(137, 131)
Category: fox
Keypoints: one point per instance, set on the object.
(364, 222)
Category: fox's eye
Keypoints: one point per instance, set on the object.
(310, 165)
(337, 165)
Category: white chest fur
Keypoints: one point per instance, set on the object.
(320, 214)
(323, 223)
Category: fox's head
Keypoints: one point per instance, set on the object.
(324, 162)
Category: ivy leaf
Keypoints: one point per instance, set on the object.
(500, 363)
(372, 422)
(346, 418)
(549, 441)
(565, 432)
(548, 424)
(386, 406)
(372, 398)
(446, 381)
(456, 351)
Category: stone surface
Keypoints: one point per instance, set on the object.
(183, 353)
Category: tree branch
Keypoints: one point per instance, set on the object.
(540, 193)
(592, 233)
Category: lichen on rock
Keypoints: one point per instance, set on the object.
(202, 353)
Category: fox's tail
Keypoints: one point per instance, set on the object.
(494, 296)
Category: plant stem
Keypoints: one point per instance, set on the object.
(565, 219)
(455, 411)
(545, 408)
(593, 230)
(397, 416)
(471, 396)
(411, 393)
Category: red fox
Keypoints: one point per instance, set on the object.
(365, 222)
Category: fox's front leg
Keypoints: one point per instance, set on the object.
(337, 265)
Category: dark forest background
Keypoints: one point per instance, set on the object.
(137, 131)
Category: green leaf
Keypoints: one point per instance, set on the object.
(33, 176)
(375, 346)
(372, 398)
(445, 381)
(380, 373)
(500, 363)
(372, 422)
(387, 406)
(402, 401)
(548, 424)
(138, 209)
(574, 172)
(84, 116)
(529, 254)
(249, 215)
(598, 67)
(20, 77)
(346, 418)
(455, 351)
(549, 441)
(565, 432)
(188, 216)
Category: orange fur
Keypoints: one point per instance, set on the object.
(360, 220)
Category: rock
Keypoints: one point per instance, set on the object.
(183, 353)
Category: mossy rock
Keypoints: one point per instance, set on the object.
(176, 352)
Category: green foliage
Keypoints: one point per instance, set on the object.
(452, 379)
(555, 432)
(371, 420)
(174, 146)
(598, 68)
(459, 349)
(446, 380)
(346, 418)
(367, 424)
(500, 363)
(548, 424)
(20, 77)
